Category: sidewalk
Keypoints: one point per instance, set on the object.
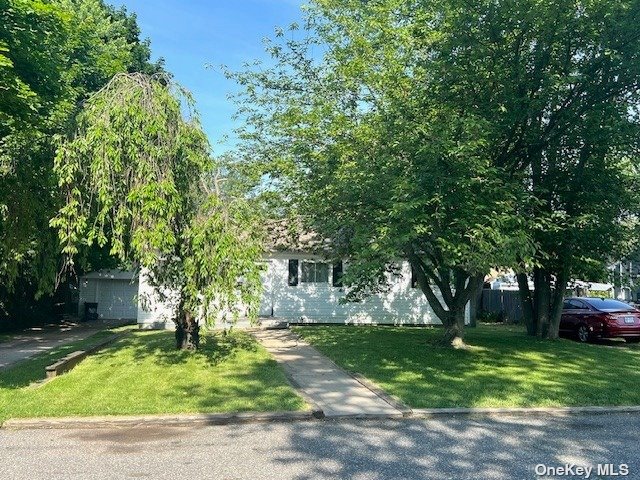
(335, 391)
(36, 340)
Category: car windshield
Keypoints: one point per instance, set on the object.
(608, 305)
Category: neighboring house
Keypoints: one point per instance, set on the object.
(299, 286)
(506, 282)
(626, 276)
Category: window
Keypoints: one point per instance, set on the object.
(574, 305)
(609, 305)
(314, 272)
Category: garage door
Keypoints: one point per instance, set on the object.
(116, 299)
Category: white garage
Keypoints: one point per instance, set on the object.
(115, 292)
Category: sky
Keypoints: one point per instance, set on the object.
(192, 34)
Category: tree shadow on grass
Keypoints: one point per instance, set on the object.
(503, 367)
(260, 387)
(252, 381)
(215, 348)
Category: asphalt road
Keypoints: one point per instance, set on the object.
(454, 448)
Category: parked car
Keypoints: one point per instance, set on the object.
(590, 318)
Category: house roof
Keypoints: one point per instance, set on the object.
(288, 236)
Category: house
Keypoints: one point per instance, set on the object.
(299, 286)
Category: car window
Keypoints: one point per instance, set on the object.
(610, 305)
(573, 304)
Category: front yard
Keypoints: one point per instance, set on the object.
(503, 367)
(142, 373)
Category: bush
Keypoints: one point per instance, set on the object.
(491, 317)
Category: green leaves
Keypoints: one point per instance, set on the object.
(137, 175)
(130, 166)
(52, 55)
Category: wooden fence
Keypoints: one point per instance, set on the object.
(504, 303)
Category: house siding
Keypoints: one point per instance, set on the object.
(153, 311)
(320, 302)
(302, 303)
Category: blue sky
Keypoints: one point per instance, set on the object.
(191, 34)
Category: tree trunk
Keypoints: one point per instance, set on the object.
(187, 329)
(454, 329)
(542, 308)
(556, 306)
(542, 300)
(451, 314)
(475, 305)
(526, 301)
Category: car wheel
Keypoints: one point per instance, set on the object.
(633, 340)
(583, 333)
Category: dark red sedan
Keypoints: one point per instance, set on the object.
(590, 318)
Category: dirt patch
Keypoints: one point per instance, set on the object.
(131, 436)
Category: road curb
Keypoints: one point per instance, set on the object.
(156, 420)
(213, 419)
(73, 359)
(521, 411)
(396, 403)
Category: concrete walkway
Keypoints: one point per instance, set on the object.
(36, 340)
(335, 391)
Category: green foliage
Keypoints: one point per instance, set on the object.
(136, 177)
(557, 86)
(599, 293)
(374, 160)
(52, 55)
(140, 374)
(223, 245)
(32, 64)
(464, 135)
(129, 170)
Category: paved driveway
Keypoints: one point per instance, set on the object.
(455, 448)
(41, 339)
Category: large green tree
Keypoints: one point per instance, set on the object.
(32, 70)
(464, 135)
(557, 83)
(375, 162)
(52, 56)
(138, 177)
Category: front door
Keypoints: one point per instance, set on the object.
(266, 301)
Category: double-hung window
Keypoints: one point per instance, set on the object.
(314, 272)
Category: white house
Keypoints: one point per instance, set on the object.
(298, 286)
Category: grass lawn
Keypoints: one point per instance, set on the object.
(142, 373)
(503, 367)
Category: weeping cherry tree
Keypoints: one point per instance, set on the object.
(139, 178)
